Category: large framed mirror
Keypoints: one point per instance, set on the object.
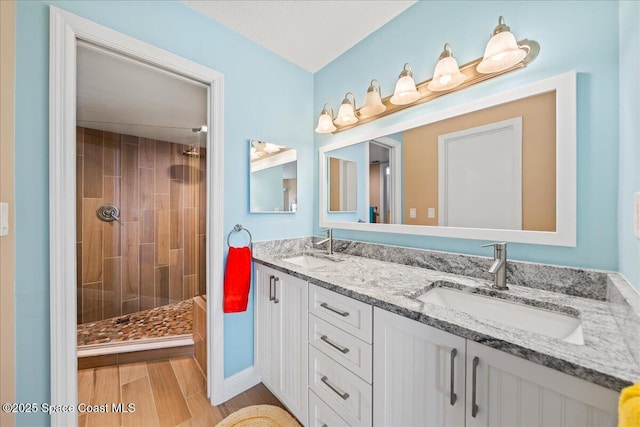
(273, 183)
(498, 168)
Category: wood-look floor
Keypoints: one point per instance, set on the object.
(166, 393)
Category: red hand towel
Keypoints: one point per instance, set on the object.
(237, 280)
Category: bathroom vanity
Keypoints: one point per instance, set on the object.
(373, 348)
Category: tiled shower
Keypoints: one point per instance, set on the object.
(154, 254)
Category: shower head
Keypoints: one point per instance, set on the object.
(191, 152)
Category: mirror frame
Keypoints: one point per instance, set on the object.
(566, 183)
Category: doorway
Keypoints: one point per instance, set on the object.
(67, 33)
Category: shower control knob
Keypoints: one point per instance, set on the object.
(108, 213)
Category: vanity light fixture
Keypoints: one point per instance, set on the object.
(347, 111)
(447, 74)
(406, 91)
(503, 54)
(502, 51)
(372, 101)
(325, 121)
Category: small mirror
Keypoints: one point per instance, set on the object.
(273, 185)
(343, 189)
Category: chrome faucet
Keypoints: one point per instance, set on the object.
(499, 266)
(328, 241)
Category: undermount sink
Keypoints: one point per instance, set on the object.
(310, 261)
(552, 324)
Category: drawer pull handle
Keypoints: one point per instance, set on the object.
(335, 310)
(333, 388)
(271, 296)
(453, 397)
(344, 350)
(474, 405)
(275, 290)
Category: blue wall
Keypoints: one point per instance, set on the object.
(267, 189)
(255, 107)
(629, 245)
(569, 41)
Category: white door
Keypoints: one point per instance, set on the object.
(480, 176)
(412, 368)
(291, 296)
(510, 391)
(266, 339)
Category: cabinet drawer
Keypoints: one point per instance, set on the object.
(321, 415)
(349, 351)
(346, 313)
(342, 390)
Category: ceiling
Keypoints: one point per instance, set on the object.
(121, 95)
(308, 33)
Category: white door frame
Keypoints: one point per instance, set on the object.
(65, 30)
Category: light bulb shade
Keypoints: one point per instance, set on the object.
(325, 123)
(405, 92)
(346, 112)
(446, 76)
(372, 102)
(502, 52)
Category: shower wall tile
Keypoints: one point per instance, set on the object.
(147, 153)
(129, 197)
(177, 219)
(79, 282)
(112, 287)
(147, 276)
(91, 242)
(155, 254)
(93, 156)
(163, 221)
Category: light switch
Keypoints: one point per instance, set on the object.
(636, 215)
(431, 213)
(412, 212)
(4, 219)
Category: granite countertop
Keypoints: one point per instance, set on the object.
(604, 359)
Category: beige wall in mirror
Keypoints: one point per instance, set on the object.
(420, 166)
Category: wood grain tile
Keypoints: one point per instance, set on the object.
(130, 139)
(187, 423)
(130, 261)
(147, 273)
(163, 167)
(146, 413)
(155, 355)
(79, 283)
(176, 218)
(112, 230)
(79, 196)
(162, 285)
(202, 264)
(85, 385)
(93, 156)
(147, 205)
(147, 153)
(191, 180)
(111, 154)
(204, 415)
(129, 198)
(177, 161)
(176, 268)
(189, 286)
(131, 372)
(171, 404)
(112, 287)
(189, 376)
(82, 419)
(79, 141)
(106, 390)
(91, 242)
(163, 221)
(190, 241)
(97, 361)
(130, 306)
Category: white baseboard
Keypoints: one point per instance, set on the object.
(240, 382)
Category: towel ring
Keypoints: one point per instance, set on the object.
(236, 229)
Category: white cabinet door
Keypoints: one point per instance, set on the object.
(412, 368)
(291, 296)
(514, 392)
(281, 328)
(266, 345)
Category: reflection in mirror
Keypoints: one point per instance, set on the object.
(343, 187)
(273, 180)
(491, 169)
